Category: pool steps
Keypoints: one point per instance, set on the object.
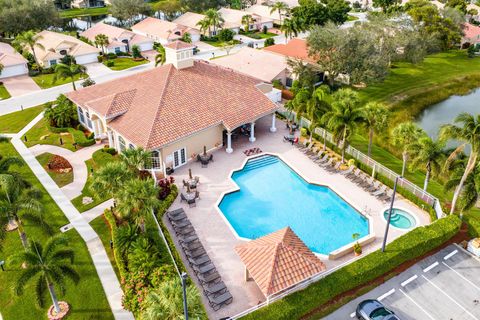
(259, 162)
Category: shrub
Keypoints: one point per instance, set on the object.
(225, 35)
(68, 60)
(269, 42)
(111, 151)
(264, 29)
(111, 55)
(100, 157)
(80, 139)
(122, 54)
(136, 52)
(407, 247)
(88, 82)
(100, 58)
(110, 63)
(63, 115)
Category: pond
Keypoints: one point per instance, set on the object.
(432, 118)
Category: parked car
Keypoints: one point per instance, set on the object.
(374, 310)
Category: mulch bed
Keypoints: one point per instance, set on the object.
(461, 236)
(58, 163)
(252, 151)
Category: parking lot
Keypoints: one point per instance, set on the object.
(443, 286)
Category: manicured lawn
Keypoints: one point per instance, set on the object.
(4, 93)
(81, 12)
(40, 134)
(125, 63)
(16, 121)
(102, 228)
(45, 81)
(219, 43)
(87, 299)
(259, 35)
(61, 179)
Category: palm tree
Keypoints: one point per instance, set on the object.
(187, 37)
(166, 302)
(205, 25)
(64, 71)
(403, 135)
(102, 41)
(136, 159)
(247, 20)
(161, 57)
(376, 119)
(143, 256)
(47, 266)
(428, 152)
(137, 198)
(215, 19)
(280, 7)
(110, 178)
(305, 73)
(29, 40)
(16, 201)
(344, 117)
(324, 101)
(289, 29)
(467, 133)
(125, 237)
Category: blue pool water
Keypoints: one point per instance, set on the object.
(400, 218)
(273, 196)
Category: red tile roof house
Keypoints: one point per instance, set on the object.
(176, 109)
(120, 40)
(472, 34)
(14, 64)
(163, 31)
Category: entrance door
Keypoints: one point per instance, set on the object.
(179, 158)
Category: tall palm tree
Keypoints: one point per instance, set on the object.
(376, 119)
(205, 25)
(166, 302)
(102, 41)
(110, 178)
(161, 57)
(136, 200)
(344, 117)
(323, 99)
(247, 20)
(289, 29)
(426, 151)
(29, 40)
(469, 134)
(215, 19)
(65, 71)
(136, 159)
(18, 203)
(305, 73)
(403, 135)
(280, 7)
(48, 266)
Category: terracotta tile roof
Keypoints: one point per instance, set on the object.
(295, 48)
(278, 260)
(114, 34)
(9, 57)
(472, 33)
(169, 104)
(159, 28)
(189, 19)
(177, 45)
(52, 41)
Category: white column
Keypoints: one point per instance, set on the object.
(110, 139)
(252, 132)
(229, 142)
(95, 128)
(273, 128)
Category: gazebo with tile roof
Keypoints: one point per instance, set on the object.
(278, 261)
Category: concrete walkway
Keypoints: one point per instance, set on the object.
(77, 160)
(97, 211)
(107, 276)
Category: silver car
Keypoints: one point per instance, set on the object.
(374, 310)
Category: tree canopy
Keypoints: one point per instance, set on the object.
(17, 16)
(202, 5)
(312, 13)
(126, 10)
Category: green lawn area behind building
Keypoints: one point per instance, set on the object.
(87, 299)
(16, 121)
(82, 12)
(101, 227)
(125, 63)
(41, 134)
(60, 178)
(45, 81)
(4, 94)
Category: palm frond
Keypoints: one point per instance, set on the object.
(40, 289)
(24, 278)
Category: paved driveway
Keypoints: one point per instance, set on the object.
(443, 286)
(97, 69)
(20, 85)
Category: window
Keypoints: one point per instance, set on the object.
(121, 143)
(89, 121)
(117, 49)
(179, 158)
(289, 82)
(131, 146)
(63, 52)
(155, 159)
(53, 62)
(81, 116)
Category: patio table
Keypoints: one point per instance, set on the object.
(192, 183)
(190, 195)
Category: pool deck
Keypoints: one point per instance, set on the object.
(216, 234)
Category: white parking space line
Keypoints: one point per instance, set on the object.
(419, 306)
(430, 267)
(453, 300)
(473, 284)
(451, 254)
(404, 283)
(352, 315)
(383, 296)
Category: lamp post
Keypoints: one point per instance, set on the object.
(184, 287)
(390, 213)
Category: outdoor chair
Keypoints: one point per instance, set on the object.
(327, 164)
(205, 269)
(217, 302)
(374, 186)
(185, 231)
(308, 149)
(210, 158)
(199, 261)
(312, 152)
(367, 181)
(204, 163)
(321, 159)
(387, 196)
(380, 191)
(182, 198)
(209, 278)
(185, 184)
(197, 179)
(188, 239)
(215, 289)
(348, 171)
(195, 253)
(192, 203)
(192, 246)
(199, 158)
(175, 212)
(335, 167)
(178, 217)
(362, 178)
(181, 224)
(197, 194)
(302, 145)
(316, 153)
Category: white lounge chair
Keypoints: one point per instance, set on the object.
(380, 191)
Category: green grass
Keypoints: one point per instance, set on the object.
(40, 130)
(87, 299)
(83, 12)
(61, 179)
(125, 63)
(219, 43)
(4, 94)
(102, 228)
(352, 18)
(16, 121)
(45, 81)
(259, 35)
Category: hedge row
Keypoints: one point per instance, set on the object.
(407, 247)
(57, 130)
(473, 221)
(80, 139)
(121, 263)
(101, 157)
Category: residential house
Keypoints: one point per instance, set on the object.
(471, 35)
(54, 46)
(263, 65)
(190, 20)
(266, 12)
(233, 20)
(163, 31)
(120, 40)
(81, 4)
(176, 109)
(14, 64)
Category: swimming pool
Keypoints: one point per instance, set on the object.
(400, 218)
(273, 196)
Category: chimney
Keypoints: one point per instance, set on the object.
(180, 54)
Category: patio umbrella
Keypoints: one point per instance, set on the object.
(204, 150)
(188, 188)
(190, 173)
